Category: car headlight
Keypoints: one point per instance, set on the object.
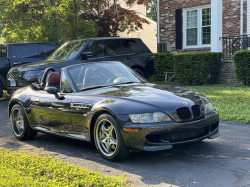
(208, 108)
(149, 117)
(30, 74)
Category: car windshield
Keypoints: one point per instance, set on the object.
(96, 75)
(68, 51)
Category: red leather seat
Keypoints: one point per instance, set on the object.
(54, 80)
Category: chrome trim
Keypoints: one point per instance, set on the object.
(80, 105)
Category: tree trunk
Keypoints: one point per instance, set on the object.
(53, 3)
(76, 27)
(98, 10)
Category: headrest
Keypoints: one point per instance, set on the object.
(54, 78)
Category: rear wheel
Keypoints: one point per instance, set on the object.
(1, 90)
(19, 124)
(108, 138)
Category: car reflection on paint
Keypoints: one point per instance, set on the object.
(110, 105)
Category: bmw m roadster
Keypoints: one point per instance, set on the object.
(109, 104)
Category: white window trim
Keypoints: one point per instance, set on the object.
(199, 25)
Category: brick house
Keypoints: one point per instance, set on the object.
(205, 25)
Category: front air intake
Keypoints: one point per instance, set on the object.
(196, 111)
(184, 113)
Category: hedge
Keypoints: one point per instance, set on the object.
(242, 64)
(197, 68)
(163, 63)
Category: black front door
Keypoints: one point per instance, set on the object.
(51, 113)
(22, 54)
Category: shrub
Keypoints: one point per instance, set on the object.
(197, 68)
(242, 64)
(163, 63)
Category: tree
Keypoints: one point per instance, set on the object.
(152, 10)
(111, 18)
(51, 21)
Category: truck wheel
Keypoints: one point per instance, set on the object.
(1, 90)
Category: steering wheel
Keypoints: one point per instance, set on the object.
(111, 79)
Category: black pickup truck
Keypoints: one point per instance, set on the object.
(12, 55)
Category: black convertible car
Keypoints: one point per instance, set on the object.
(109, 104)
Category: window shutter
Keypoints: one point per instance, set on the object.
(178, 28)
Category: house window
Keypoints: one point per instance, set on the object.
(197, 27)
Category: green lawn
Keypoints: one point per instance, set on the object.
(21, 169)
(232, 101)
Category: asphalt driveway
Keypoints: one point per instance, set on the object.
(222, 162)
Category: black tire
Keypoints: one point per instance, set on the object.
(1, 90)
(140, 72)
(119, 150)
(20, 125)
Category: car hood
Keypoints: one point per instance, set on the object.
(41, 65)
(145, 97)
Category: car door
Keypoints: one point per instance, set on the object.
(115, 52)
(98, 50)
(51, 113)
(22, 54)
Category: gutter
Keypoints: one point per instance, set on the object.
(158, 21)
(241, 17)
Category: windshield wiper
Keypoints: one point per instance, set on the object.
(94, 87)
(129, 82)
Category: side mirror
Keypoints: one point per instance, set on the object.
(86, 55)
(53, 90)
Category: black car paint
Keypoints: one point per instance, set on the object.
(7, 63)
(75, 115)
(143, 61)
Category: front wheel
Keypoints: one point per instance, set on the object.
(19, 124)
(108, 138)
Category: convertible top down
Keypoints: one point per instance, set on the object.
(110, 105)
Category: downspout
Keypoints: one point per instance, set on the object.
(158, 21)
(241, 17)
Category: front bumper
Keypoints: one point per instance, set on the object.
(160, 136)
